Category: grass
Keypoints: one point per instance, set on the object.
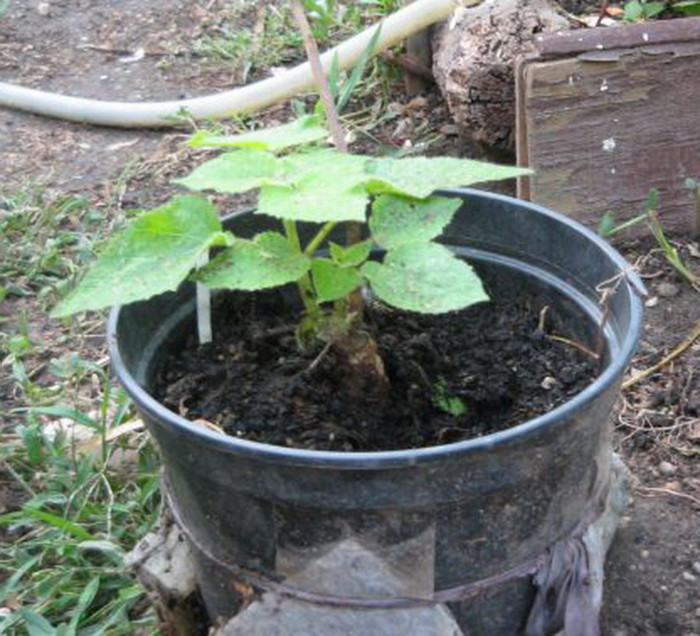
(63, 554)
(43, 243)
(77, 491)
(252, 38)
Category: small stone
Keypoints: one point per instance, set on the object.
(449, 130)
(667, 290)
(645, 554)
(696, 567)
(44, 8)
(403, 128)
(667, 469)
(549, 383)
(691, 578)
(652, 302)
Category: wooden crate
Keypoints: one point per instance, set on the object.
(605, 114)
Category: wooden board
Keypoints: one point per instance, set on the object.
(605, 114)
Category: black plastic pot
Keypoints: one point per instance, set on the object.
(476, 508)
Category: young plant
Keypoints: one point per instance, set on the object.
(651, 205)
(301, 181)
(640, 10)
(687, 7)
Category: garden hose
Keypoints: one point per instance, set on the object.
(245, 99)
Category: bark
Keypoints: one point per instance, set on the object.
(473, 64)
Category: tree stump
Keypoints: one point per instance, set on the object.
(473, 63)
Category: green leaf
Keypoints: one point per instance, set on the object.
(633, 11)
(266, 261)
(397, 220)
(46, 517)
(652, 200)
(358, 70)
(154, 254)
(421, 176)
(607, 224)
(36, 624)
(333, 76)
(237, 171)
(86, 597)
(687, 7)
(652, 9)
(323, 185)
(67, 412)
(304, 130)
(448, 403)
(424, 277)
(11, 584)
(332, 281)
(108, 549)
(351, 256)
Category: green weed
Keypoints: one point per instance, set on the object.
(253, 41)
(43, 242)
(75, 503)
(62, 557)
(640, 10)
(609, 227)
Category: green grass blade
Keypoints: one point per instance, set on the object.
(12, 582)
(358, 70)
(334, 76)
(67, 412)
(57, 522)
(36, 624)
(87, 596)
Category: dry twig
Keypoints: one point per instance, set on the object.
(668, 491)
(354, 230)
(694, 335)
(319, 76)
(574, 344)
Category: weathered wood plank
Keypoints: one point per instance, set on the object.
(624, 36)
(603, 126)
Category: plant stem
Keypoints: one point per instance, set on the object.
(670, 252)
(319, 238)
(306, 290)
(18, 478)
(354, 231)
(696, 216)
(319, 76)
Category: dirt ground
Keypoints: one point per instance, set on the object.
(86, 47)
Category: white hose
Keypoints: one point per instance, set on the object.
(245, 99)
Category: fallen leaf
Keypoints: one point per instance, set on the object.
(615, 12)
(122, 144)
(95, 441)
(209, 425)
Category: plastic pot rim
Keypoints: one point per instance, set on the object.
(405, 457)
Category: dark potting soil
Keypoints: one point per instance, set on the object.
(451, 377)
